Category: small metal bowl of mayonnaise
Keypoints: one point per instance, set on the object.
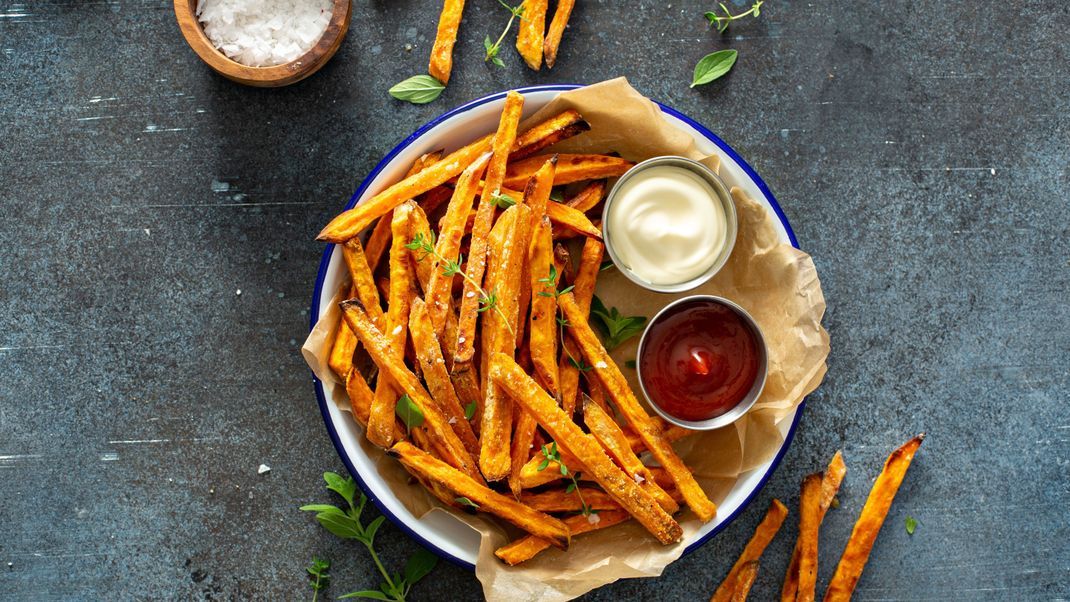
(669, 224)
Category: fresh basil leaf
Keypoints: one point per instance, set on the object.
(418, 89)
(345, 487)
(614, 328)
(713, 66)
(368, 593)
(419, 565)
(470, 410)
(409, 413)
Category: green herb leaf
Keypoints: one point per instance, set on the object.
(713, 66)
(630, 364)
(606, 265)
(419, 565)
(409, 413)
(466, 502)
(911, 524)
(615, 328)
(418, 89)
(373, 528)
(571, 487)
(317, 575)
(835, 502)
(340, 523)
(557, 196)
(503, 201)
(470, 411)
(345, 487)
(371, 594)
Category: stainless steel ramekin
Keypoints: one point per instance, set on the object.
(744, 404)
(724, 197)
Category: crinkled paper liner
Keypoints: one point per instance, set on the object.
(772, 280)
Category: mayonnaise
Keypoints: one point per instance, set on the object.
(666, 224)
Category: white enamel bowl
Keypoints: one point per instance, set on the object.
(448, 538)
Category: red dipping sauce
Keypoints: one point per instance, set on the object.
(699, 359)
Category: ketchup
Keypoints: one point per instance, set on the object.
(699, 360)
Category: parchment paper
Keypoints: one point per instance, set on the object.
(772, 280)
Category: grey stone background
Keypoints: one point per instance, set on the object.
(918, 148)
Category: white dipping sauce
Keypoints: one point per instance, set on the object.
(667, 224)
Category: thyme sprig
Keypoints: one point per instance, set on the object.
(493, 48)
(550, 453)
(722, 21)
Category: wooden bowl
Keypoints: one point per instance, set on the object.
(264, 77)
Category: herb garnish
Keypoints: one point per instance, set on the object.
(713, 66)
(722, 21)
(317, 575)
(466, 502)
(347, 525)
(493, 48)
(551, 453)
(911, 524)
(470, 411)
(615, 328)
(418, 89)
(503, 201)
(409, 412)
(452, 268)
(550, 282)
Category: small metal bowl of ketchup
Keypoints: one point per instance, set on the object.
(702, 362)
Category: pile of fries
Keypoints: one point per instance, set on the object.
(817, 494)
(489, 385)
(535, 42)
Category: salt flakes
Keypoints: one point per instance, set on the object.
(593, 518)
(262, 33)
(264, 468)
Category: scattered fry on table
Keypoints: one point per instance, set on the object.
(869, 522)
(744, 581)
(830, 484)
(809, 509)
(449, 22)
(542, 525)
(529, 38)
(556, 30)
(763, 535)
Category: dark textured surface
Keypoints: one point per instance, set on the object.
(919, 149)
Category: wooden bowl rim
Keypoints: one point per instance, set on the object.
(306, 64)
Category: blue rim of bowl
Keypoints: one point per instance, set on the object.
(326, 260)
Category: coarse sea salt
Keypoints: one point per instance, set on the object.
(263, 33)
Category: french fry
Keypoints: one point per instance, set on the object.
(442, 50)
(557, 29)
(869, 522)
(537, 523)
(830, 484)
(583, 290)
(451, 230)
(617, 388)
(809, 508)
(574, 220)
(528, 547)
(589, 197)
(381, 349)
(570, 168)
(558, 500)
(340, 359)
(613, 441)
(542, 342)
(420, 227)
(669, 432)
(503, 140)
(560, 127)
(525, 392)
(379, 239)
(529, 37)
(350, 223)
(420, 438)
(536, 197)
(433, 366)
(381, 422)
(360, 394)
(495, 435)
(744, 581)
(763, 535)
(531, 476)
(360, 273)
